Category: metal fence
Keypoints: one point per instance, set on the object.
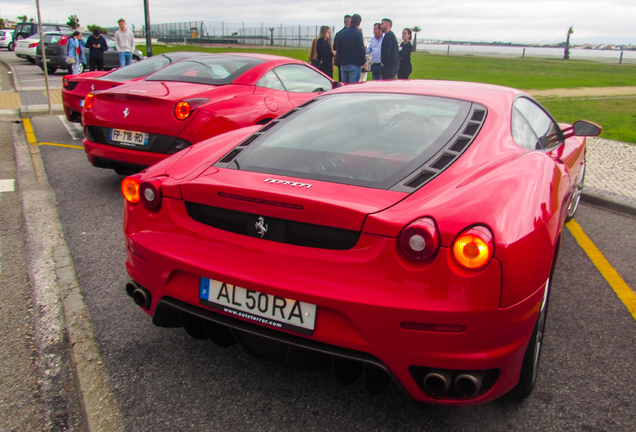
(202, 32)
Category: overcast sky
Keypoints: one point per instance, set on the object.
(594, 21)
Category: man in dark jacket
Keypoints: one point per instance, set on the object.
(96, 45)
(347, 24)
(351, 48)
(390, 51)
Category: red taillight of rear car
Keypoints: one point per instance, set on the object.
(419, 240)
(63, 40)
(33, 45)
(182, 110)
(130, 189)
(474, 247)
(88, 101)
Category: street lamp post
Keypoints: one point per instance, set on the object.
(148, 33)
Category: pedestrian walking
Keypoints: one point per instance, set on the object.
(124, 43)
(351, 51)
(75, 54)
(405, 55)
(375, 49)
(96, 46)
(390, 51)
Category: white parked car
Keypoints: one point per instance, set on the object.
(6, 39)
(25, 48)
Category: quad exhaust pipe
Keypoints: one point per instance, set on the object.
(468, 384)
(438, 382)
(140, 295)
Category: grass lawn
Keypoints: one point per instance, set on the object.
(616, 115)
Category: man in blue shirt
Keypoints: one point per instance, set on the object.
(352, 52)
(347, 23)
(375, 49)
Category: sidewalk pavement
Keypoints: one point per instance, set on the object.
(610, 180)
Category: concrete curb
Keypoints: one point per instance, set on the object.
(27, 111)
(57, 292)
(608, 200)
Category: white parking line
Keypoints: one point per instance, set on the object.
(74, 129)
(7, 185)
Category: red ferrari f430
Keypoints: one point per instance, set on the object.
(402, 231)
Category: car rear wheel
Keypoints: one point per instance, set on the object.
(134, 60)
(80, 68)
(10, 47)
(31, 59)
(530, 365)
(576, 197)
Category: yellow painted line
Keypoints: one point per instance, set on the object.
(28, 128)
(622, 290)
(62, 145)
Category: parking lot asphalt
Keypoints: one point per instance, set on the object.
(610, 177)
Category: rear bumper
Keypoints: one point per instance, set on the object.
(364, 297)
(106, 156)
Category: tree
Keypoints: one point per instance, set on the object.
(22, 18)
(415, 30)
(73, 22)
(92, 27)
(566, 52)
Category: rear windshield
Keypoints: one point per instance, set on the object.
(52, 39)
(215, 70)
(139, 69)
(369, 139)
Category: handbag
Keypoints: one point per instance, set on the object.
(70, 60)
(315, 63)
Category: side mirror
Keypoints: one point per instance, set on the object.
(586, 128)
(582, 128)
(336, 84)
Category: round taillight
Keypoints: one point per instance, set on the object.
(474, 247)
(150, 193)
(419, 240)
(88, 101)
(130, 189)
(65, 81)
(182, 110)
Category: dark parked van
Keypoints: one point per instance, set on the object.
(25, 29)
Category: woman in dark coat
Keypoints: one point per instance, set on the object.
(405, 55)
(324, 51)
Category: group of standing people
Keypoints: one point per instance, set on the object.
(96, 43)
(348, 52)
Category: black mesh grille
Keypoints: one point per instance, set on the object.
(278, 230)
(71, 85)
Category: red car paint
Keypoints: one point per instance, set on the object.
(76, 87)
(148, 107)
(408, 317)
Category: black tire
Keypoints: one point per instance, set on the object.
(52, 69)
(30, 60)
(81, 68)
(11, 46)
(134, 59)
(576, 197)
